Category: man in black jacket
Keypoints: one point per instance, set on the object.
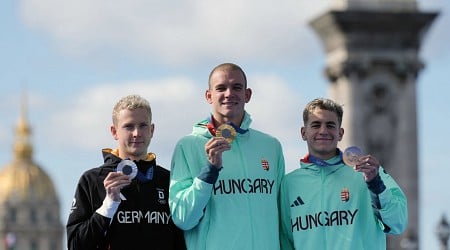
(123, 203)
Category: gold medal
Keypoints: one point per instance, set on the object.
(226, 131)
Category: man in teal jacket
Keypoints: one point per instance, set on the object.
(225, 176)
(326, 204)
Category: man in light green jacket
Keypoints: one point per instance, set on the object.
(326, 204)
(225, 176)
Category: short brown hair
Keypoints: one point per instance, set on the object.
(227, 66)
(325, 104)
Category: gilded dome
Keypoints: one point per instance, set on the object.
(23, 180)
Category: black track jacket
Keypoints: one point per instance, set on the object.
(142, 221)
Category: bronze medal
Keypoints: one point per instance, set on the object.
(351, 156)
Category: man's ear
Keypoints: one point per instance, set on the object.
(341, 133)
(113, 132)
(208, 96)
(302, 133)
(152, 129)
(248, 95)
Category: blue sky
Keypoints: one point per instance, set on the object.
(75, 59)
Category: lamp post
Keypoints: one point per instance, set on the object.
(443, 233)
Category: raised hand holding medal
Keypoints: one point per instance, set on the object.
(366, 164)
(224, 136)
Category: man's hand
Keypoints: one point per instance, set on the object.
(214, 149)
(114, 182)
(368, 165)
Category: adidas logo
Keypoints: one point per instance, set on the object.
(297, 202)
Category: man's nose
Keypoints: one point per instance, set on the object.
(136, 131)
(228, 92)
(323, 129)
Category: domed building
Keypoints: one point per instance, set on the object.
(29, 206)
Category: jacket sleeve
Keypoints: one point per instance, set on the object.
(281, 165)
(286, 237)
(85, 228)
(394, 207)
(188, 194)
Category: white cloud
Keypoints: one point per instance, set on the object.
(83, 120)
(186, 32)
(177, 31)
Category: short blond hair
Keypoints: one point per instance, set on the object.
(131, 102)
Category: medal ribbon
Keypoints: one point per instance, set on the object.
(312, 159)
(148, 176)
(212, 129)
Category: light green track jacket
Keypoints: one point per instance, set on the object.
(330, 207)
(240, 210)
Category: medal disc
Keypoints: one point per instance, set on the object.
(351, 156)
(226, 131)
(128, 167)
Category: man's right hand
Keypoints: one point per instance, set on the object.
(214, 149)
(114, 182)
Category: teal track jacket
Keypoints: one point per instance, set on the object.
(330, 207)
(237, 211)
